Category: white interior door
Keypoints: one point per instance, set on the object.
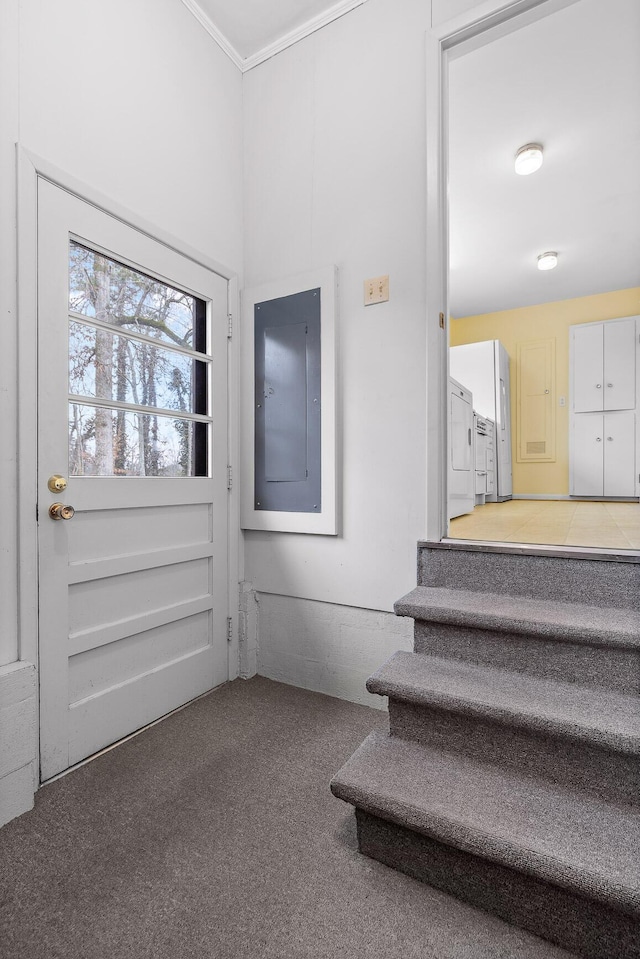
(133, 415)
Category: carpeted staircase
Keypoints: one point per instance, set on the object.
(511, 774)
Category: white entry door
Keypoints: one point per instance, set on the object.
(133, 417)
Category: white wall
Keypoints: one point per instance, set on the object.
(136, 100)
(331, 649)
(335, 173)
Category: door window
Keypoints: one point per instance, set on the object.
(138, 372)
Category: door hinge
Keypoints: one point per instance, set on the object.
(229, 629)
(229, 325)
(229, 477)
(442, 321)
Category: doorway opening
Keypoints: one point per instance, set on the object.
(544, 390)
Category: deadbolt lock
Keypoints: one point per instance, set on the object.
(60, 511)
(57, 483)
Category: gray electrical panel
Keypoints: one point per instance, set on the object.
(288, 403)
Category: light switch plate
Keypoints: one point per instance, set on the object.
(376, 290)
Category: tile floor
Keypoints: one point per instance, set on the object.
(554, 523)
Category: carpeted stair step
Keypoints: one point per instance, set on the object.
(557, 861)
(558, 640)
(534, 573)
(582, 737)
(515, 614)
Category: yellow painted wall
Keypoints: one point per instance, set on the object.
(538, 322)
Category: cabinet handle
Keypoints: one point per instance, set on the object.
(610, 439)
(609, 385)
(598, 439)
(598, 386)
(469, 436)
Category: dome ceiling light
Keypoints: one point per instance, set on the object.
(528, 159)
(548, 261)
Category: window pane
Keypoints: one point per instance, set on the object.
(103, 288)
(105, 442)
(113, 367)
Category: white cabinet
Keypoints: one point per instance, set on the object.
(604, 366)
(604, 414)
(604, 454)
(462, 470)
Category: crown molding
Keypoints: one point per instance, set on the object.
(288, 39)
(299, 33)
(213, 31)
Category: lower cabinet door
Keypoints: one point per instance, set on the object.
(619, 444)
(587, 461)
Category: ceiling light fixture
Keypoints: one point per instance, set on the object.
(547, 261)
(528, 159)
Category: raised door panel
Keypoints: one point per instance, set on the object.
(619, 454)
(619, 382)
(587, 368)
(587, 473)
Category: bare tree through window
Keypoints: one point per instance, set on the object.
(132, 341)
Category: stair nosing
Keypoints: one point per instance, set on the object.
(498, 849)
(415, 605)
(624, 744)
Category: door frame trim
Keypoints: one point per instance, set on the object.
(30, 168)
(467, 29)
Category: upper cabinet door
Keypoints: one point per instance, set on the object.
(619, 381)
(588, 369)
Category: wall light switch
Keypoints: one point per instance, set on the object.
(376, 290)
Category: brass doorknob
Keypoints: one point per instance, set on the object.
(60, 511)
(57, 483)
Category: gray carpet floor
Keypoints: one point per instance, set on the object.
(214, 834)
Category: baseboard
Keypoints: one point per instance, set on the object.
(327, 648)
(577, 499)
(18, 742)
(16, 794)
(542, 496)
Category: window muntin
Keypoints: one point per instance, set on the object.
(137, 357)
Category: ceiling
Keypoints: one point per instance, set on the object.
(570, 81)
